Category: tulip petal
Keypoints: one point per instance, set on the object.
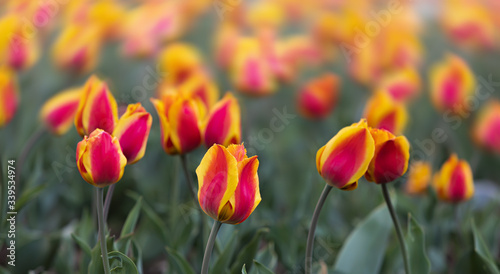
(59, 111)
(391, 160)
(184, 122)
(224, 123)
(217, 180)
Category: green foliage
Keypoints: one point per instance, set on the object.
(415, 244)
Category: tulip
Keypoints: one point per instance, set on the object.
(345, 158)
(97, 108)
(9, 95)
(77, 47)
(487, 125)
(266, 14)
(17, 50)
(180, 121)
(58, 113)
(100, 159)
(390, 160)
(228, 183)
(228, 188)
(200, 85)
(180, 61)
(400, 49)
(419, 178)
(451, 83)
(223, 125)
(132, 131)
(318, 98)
(381, 111)
(403, 85)
(454, 182)
(226, 42)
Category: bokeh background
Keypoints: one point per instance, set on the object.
(55, 204)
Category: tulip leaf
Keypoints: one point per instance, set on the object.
(95, 265)
(180, 262)
(244, 270)
(119, 263)
(221, 265)
(368, 242)
(137, 251)
(486, 261)
(29, 195)
(247, 253)
(82, 244)
(128, 227)
(415, 244)
(261, 269)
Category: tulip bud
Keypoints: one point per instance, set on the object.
(390, 160)
(58, 112)
(403, 85)
(419, 177)
(223, 125)
(180, 121)
(201, 86)
(487, 126)
(17, 50)
(228, 184)
(9, 95)
(345, 158)
(132, 131)
(454, 182)
(318, 98)
(383, 112)
(97, 108)
(180, 61)
(100, 159)
(77, 47)
(451, 83)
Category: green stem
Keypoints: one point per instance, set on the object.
(107, 202)
(210, 246)
(100, 220)
(186, 174)
(396, 226)
(312, 229)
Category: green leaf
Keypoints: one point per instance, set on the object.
(486, 261)
(128, 227)
(29, 195)
(261, 268)
(243, 270)
(121, 264)
(221, 265)
(415, 244)
(247, 253)
(180, 262)
(95, 265)
(364, 249)
(82, 244)
(137, 251)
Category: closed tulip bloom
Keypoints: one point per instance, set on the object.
(180, 121)
(403, 84)
(100, 159)
(228, 184)
(223, 125)
(419, 177)
(201, 86)
(132, 131)
(487, 126)
(9, 95)
(77, 47)
(16, 50)
(390, 160)
(97, 108)
(345, 158)
(454, 182)
(319, 97)
(451, 83)
(180, 61)
(382, 111)
(58, 113)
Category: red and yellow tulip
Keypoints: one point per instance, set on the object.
(199, 85)
(319, 97)
(100, 159)
(132, 131)
(382, 111)
(454, 182)
(452, 82)
(97, 108)
(346, 157)
(228, 184)
(390, 160)
(223, 125)
(180, 61)
(487, 126)
(17, 49)
(403, 84)
(180, 120)
(419, 178)
(58, 113)
(9, 95)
